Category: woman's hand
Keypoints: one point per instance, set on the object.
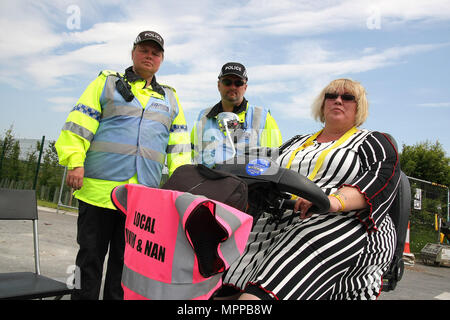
(302, 206)
(351, 199)
(75, 178)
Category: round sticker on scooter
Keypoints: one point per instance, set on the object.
(257, 167)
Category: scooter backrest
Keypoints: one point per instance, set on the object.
(401, 207)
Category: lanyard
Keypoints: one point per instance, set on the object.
(323, 154)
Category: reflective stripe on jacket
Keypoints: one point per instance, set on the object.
(212, 146)
(177, 244)
(130, 139)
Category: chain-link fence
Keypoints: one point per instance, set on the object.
(18, 162)
(428, 208)
(33, 164)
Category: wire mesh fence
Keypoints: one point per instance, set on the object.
(33, 164)
(430, 207)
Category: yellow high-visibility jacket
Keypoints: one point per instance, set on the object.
(268, 133)
(83, 123)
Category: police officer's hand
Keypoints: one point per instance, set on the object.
(75, 178)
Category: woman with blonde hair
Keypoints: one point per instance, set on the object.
(344, 253)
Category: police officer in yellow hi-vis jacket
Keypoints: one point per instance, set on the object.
(256, 127)
(123, 129)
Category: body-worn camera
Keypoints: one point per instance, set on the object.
(124, 88)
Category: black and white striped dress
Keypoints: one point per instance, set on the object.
(330, 256)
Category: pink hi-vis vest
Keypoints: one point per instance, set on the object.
(177, 244)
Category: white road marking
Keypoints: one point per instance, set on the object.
(443, 296)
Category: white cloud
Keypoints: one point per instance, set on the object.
(25, 31)
(200, 36)
(307, 17)
(271, 38)
(302, 82)
(62, 104)
(340, 63)
(195, 90)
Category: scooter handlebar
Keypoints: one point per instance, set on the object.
(301, 186)
(260, 170)
(287, 204)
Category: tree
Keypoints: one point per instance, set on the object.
(10, 157)
(51, 173)
(7, 145)
(426, 161)
(15, 165)
(30, 163)
(18, 170)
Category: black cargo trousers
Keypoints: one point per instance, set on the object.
(99, 229)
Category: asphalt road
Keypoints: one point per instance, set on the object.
(58, 248)
(57, 242)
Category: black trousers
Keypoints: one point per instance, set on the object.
(98, 229)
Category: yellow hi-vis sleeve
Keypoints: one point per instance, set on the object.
(194, 141)
(271, 135)
(179, 146)
(81, 126)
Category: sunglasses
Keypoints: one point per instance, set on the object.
(227, 82)
(344, 97)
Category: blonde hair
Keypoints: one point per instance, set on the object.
(347, 86)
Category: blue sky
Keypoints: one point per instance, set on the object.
(399, 50)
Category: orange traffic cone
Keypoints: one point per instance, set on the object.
(408, 257)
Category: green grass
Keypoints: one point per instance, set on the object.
(420, 235)
(48, 204)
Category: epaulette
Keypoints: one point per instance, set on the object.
(166, 86)
(108, 73)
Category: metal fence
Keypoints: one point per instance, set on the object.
(33, 164)
(429, 207)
